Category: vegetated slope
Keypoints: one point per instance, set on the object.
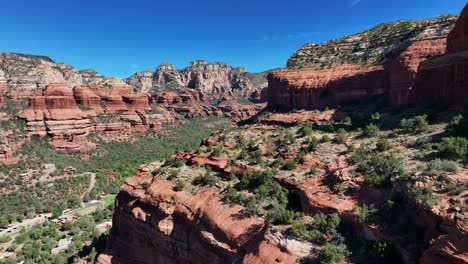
(372, 46)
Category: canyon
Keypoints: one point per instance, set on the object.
(334, 159)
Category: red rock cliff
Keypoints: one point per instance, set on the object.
(3, 88)
(458, 38)
(445, 78)
(159, 225)
(316, 88)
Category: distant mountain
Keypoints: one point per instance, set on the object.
(203, 76)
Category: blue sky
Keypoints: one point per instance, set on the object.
(120, 37)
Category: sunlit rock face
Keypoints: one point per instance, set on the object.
(382, 61)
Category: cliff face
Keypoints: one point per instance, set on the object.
(210, 78)
(381, 61)
(445, 78)
(458, 38)
(3, 88)
(372, 46)
(159, 225)
(29, 74)
(68, 115)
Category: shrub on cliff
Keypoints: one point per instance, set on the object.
(333, 254)
(415, 125)
(207, 179)
(443, 165)
(383, 145)
(380, 170)
(290, 165)
(371, 130)
(341, 136)
(311, 144)
(179, 186)
(453, 148)
(423, 196)
(306, 129)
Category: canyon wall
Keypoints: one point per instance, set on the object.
(159, 225)
(445, 78)
(382, 61)
(56, 113)
(3, 89)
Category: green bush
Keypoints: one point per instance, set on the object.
(332, 254)
(371, 130)
(423, 196)
(380, 170)
(362, 213)
(341, 136)
(383, 145)
(290, 165)
(325, 138)
(312, 144)
(453, 148)
(415, 125)
(145, 185)
(306, 129)
(203, 180)
(443, 165)
(217, 152)
(179, 186)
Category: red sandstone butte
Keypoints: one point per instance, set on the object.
(445, 78)
(55, 103)
(318, 88)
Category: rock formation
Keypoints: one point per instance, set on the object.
(68, 115)
(209, 78)
(444, 78)
(389, 58)
(28, 74)
(3, 89)
(372, 46)
(159, 225)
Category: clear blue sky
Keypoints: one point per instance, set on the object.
(118, 37)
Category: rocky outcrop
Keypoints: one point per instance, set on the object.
(372, 46)
(28, 74)
(209, 78)
(68, 115)
(444, 78)
(458, 38)
(159, 225)
(390, 56)
(3, 89)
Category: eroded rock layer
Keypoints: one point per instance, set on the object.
(310, 85)
(159, 225)
(445, 78)
(3, 89)
(68, 115)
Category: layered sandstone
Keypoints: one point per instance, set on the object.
(68, 115)
(159, 225)
(444, 78)
(342, 79)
